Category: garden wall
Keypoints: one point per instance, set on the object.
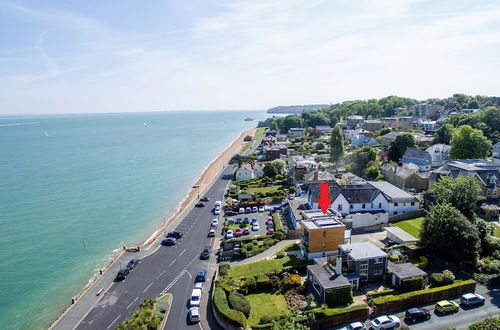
(389, 303)
(358, 313)
(407, 216)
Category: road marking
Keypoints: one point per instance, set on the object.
(162, 272)
(147, 287)
(164, 291)
(189, 274)
(182, 252)
(172, 262)
(109, 326)
(132, 302)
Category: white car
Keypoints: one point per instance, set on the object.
(385, 322)
(211, 232)
(261, 209)
(356, 326)
(194, 314)
(216, 211)
(215, 222)
(199, 285)
(218, 204)
(255, 209)
(470, 299)
(195, 298)
(255, 227)
(241, 210)
(229, 234)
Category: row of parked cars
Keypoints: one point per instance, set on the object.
(122, 273)
(413, 315)
(195, 300)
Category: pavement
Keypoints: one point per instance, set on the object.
(266, 254)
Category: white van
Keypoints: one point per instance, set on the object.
(195, 298)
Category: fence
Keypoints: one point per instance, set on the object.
(407, 216)
(348, 317)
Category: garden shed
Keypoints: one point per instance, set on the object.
(404, 271)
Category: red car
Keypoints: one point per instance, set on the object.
(238, 232)
(269, 218)
(270, 231)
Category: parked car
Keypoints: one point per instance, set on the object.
(254, 220)
(261, 209)
(248, 210)
(195, 298)
(205, 199)
(417, 314)
(211, 232)
(230, 213)
(200, 204)
(230, 221)
(218, 204)
(194, 314)
(270, 224)
(241, 210)
(132, 263)
(217, 211)
(238, 221)
(270, 231)
(169, 241)
(255, 227)
(471, 299)
(122, 273)
(205, 254)
(255, 209)
(270, 219)
(201, 276)
(199, 285)
(229, 234)
(445, 306)
(215, 221)
(175, 234)
(246, 231)
(356, 326)
(246, 221)
(238, 232)
(385, 322)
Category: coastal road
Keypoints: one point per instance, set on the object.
(170, 269)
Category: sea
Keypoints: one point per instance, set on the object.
(73, 188)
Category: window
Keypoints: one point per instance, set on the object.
(404, 203)
(363, 267)
(379, 260)
(412, 203)
(324, 234)
(377, 272)
(324, 244)
(371, 206)
(379, 205)
(339, 207)
(352, 206)
(395, 204)
(363, 206)
(395, 212)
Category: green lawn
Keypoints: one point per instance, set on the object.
(265, 304)
(496, 233)
(259, 133)
(411, 226)
(246, 147)
(263, 266)
(253, 190)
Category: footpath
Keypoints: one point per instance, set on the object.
(266, 254)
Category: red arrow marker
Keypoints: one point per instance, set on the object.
(324, 201)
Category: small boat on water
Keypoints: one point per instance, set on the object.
(248, 119)
(146, 124)
(46, 134)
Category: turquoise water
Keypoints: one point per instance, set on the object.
(74, 188)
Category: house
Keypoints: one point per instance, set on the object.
(295, 132)
(372, 196)
(496, 153)
(399, 236)
(321, 236)
(275, 152)
(372, 125)
(400, 272)
(428, 125)
(324, 128)
(396, 122)
(351, 178)
(322, 279)
(299, 166)
(319, 176)
(405, 178)
(360, 137)
(258, 170)
(354, 121)
(418, 157)
(487, 173)
(272, 132)
(244, 172)
(248, 138)
(426, 110)
(422, 139)
(439, 154)
(363, 260)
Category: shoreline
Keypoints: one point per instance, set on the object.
(207, 177)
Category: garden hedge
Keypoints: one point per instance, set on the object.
(239, 302)
(375, 294)
(412, 284)
(322, 313)
(230, 315)
(277, 222)
(338, 297)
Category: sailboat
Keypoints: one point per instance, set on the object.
(46, 134)
(146, 124)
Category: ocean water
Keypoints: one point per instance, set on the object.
(74, 188)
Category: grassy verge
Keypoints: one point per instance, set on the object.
(263, 266)
(411, 226)
(265, 304)
(262, 190)
(246, 147)
(259, 133)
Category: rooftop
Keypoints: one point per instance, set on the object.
(415, 153)
(327, 278)
(322, 223)
(362, 250)
(393, 193)
(401, 234)
(406, 270)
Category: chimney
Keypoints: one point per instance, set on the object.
(338, 265)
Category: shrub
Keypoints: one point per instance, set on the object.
(490, 323)
(375, 294)
(393, 258)
(424, 262)
(339, 297)
(251, 284)
(268, 319)
(292, 281)
(444, 278)
(239, 302)
(277, 222)
(412, 284)
(279, 235)
(323, 313)
(224, 269)
(222, 307)
(262, 282)
(437, 279)
(448, 277)
(280, 255)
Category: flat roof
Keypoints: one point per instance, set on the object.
(401, 234)
(328, 279)
(327, 222)
(406, 270)
(362, 250)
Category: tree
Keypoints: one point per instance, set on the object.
(362, 158)
(145, 318)
(444, 134)
(490, 116)
(473, 104)
(274, 168)
(462, 193)
(371, 172)
(336, 144)
(288, 324)
(448, 234)
(291, 122)
(469, 143)
(489, 323)
(312, 119)
(398, 147)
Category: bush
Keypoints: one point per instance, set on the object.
(444, 278)
(393, 258)
(338, 297)
(448, 277)
(239, 302)
(424, 262)
(375, 294)
(222, 307)
(412, 284)
(268, 319)
(279, 235)
(324, 313)
(277, 222)
(262, 282)
(280, 255)
(224, 269)
(292, 281)
(490, 323)
(251, 284)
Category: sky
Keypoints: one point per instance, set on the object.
(98, 56)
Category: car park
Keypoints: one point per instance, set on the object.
(132, 263)
(205, 199)
(229, 234)
(248, 210)
(175, 234)
(200, 204)
(255, 227)
(205, 254)
(246, 231)
(238, 232)
(169, 241)
(471, 299)
(261, 209)
(122, 273)
(255, 209)
(417, 314)
(195, 298)
(385, 322)
(211, 232)
(241, 210)
(355, 326)
(446, 306)
(201, 276)
(194, 314)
